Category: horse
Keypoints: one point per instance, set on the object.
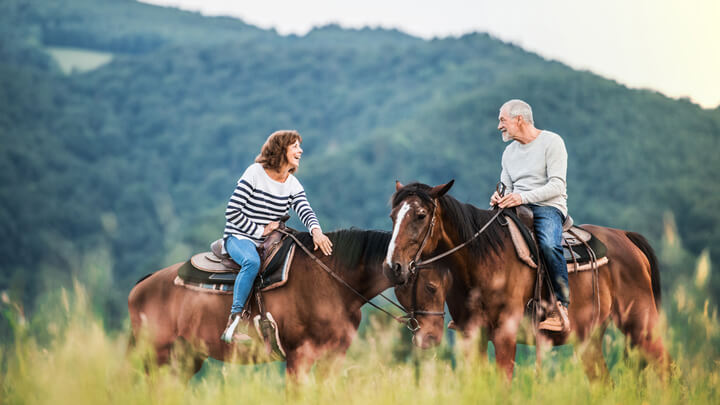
(491, 286)
(317, 316)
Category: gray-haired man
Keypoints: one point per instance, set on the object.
(534, 169)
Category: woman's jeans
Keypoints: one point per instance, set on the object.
(548, 229)
(244, 252)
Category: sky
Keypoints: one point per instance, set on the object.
(671, 46)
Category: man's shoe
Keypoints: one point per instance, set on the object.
(236, 331)
(557, 320)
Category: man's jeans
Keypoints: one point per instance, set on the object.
(548, 229)
(245, 254)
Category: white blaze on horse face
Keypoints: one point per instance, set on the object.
(398, 220)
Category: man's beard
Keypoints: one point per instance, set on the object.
(506, 137)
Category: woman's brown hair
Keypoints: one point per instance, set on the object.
(273, 154)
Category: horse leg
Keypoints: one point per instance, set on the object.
(299, 361)
(639, 325)
(329, 364)
(590, 352)
(184, 359)
(505, 341)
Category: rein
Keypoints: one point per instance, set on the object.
(408, 319)
(417, 263)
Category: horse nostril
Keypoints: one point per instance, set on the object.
(396, 268)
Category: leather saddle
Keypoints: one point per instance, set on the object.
(216, 268)
(580, 247)
(219, 261)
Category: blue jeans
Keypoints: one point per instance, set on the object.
(548, 229)
(245, 254)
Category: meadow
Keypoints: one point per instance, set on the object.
(64, 354)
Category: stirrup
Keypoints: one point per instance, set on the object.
(236, 331)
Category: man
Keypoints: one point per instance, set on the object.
(534, 169)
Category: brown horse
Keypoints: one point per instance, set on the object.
(491, 286)
(317, 316)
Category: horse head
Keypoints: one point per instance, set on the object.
(416, 231)
(416, 234)
(424, 300)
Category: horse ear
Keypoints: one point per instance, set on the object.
(398, 185)
(439, 191)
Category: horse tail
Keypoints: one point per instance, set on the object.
(648, 251)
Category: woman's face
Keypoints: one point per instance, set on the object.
(294, 152)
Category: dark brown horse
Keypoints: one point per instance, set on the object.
(317, 316)
(491, 286)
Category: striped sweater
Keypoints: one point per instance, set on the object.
(259, 200)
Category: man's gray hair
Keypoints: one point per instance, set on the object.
(518, 107)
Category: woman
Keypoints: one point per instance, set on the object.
(264, 193)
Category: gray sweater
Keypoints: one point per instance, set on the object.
(537, 171)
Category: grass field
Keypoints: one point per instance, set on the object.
(78, 60)
(65, 355)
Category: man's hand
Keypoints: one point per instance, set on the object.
(510, 200)
(270, 227)
(494, 199)
(321, 241)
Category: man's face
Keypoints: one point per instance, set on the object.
(508, 126)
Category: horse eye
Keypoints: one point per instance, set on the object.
(422, 216)
(431, 288)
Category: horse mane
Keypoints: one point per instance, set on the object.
(353, 246)
(465, 218)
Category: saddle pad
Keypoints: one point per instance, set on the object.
(273, 276)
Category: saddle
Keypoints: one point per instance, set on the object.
(273, 273)
(217, 267)
(582, 250)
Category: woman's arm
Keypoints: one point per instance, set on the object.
(306, 214)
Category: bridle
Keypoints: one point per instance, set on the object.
(412, 322)
(416, 263)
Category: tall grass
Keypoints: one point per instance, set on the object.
(64, 355)
(81, 363)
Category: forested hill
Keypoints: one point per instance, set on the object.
(111, 172)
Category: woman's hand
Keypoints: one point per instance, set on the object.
(321, 241)
(270, 227)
